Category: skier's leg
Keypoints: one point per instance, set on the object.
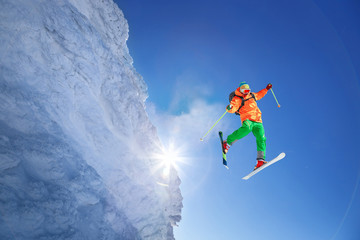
(259, 133)
(244, 130)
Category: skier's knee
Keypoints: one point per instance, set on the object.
(261, 140)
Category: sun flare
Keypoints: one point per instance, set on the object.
(169, 158)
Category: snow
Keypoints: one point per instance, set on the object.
(76, 145)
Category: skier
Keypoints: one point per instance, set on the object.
(243, 102)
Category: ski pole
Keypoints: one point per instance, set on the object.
(275, 97)
(202, 139)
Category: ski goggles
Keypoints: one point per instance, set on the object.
(245, 91)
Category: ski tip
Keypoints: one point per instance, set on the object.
(225, 163)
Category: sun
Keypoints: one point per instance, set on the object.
(169, 158)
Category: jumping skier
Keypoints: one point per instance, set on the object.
(243, 102)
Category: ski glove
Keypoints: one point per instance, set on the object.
(269, 86)
(229, 107)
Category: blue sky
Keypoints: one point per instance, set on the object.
(192, 54)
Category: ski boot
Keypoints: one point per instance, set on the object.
(260, 162)
(225, 147)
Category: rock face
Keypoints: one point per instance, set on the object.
(77, 150)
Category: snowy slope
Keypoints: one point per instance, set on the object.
(77, 150)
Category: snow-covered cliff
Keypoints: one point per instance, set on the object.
(78, 154)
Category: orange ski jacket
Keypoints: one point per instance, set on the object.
(250, 110)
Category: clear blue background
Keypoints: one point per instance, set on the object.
(190, 51)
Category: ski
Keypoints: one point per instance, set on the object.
(278, 158)
(224, 154)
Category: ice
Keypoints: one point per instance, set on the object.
(75, 139)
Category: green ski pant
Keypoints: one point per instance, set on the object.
(257, 129)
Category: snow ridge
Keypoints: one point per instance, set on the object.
(77, 149)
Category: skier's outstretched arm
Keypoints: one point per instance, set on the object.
(259, 95)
